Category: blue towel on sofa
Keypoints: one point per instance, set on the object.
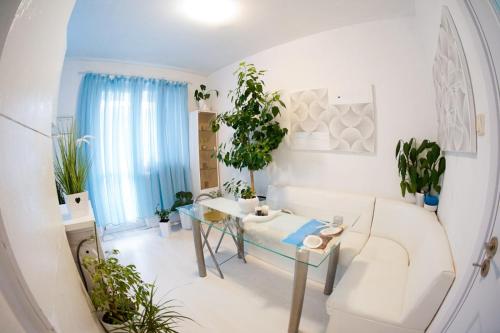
(296, 238)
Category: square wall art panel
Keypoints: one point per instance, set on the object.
(316, 125)
(454, 97)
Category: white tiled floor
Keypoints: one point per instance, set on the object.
(253, 297)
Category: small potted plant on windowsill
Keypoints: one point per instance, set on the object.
(202, 96)
(71, 168)
(165, 226)
(182, 198)
(247, 199)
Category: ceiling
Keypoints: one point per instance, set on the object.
(157, 32)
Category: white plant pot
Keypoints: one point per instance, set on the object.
(430, 208)
(186, 222)
(165, 229)
(112, 328)
(410, 197)
(419, 199)
(203, 105)
(78, 204)
(248, 206)
(174, 218)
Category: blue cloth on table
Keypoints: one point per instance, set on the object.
(297, 237)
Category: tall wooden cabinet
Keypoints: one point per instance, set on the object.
(203, 146)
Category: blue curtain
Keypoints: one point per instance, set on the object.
(139, 146)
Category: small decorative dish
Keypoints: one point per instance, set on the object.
(331, 231)
(255, 218)
(312, 242)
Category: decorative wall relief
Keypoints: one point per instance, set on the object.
(316, 125)
(454, 96)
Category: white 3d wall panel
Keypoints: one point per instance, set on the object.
(317, 125)
(454, 97)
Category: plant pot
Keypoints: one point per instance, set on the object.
(419, 199)
(186, 222)
(203, 105)
(152, 222)
(174, 218)
(165, 229)
(410, 197)
(430, 208)
(114, 328)
(78, 204)
(248, 206)
(431, 202)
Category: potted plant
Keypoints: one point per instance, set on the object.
(71, 168)
(164, 215)
(154, 317)
(253, 118)
(433, 166)
(247, 199)
(124, 302)
(182, 198)
(116, 291)
(420, 167)
(201, 96)
(411, 183)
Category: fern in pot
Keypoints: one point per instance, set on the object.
(71, 168)
(247, 200)
(182, 198)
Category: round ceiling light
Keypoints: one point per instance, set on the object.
(213, 12)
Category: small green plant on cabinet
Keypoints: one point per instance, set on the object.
(203, 93)
(420, 166)
(239, 189)
(71, 164)
(182, 198)
(163, 214)
(254, 121)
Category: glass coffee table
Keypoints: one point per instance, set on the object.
(224, 215)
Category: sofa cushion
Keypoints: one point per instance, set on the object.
(384, 250)
(371, 289)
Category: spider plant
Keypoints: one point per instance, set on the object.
(154, 317)
(72, 165)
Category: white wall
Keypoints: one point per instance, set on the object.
(31, 229)
(72, 69)
(384, 54)
(467, 183)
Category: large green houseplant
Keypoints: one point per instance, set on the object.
(420, 167)
(253, 118)
(71, 168)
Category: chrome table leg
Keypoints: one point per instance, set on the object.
(240, 240)
(299, 289)
(332, 270)
(221, 237)
(200, 258)
(205, 236)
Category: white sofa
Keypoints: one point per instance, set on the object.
(399, 279)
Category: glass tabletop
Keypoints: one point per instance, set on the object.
(225, 216)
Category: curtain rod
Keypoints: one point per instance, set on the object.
(129, 76)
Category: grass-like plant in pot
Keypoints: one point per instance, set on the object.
(247, 199)
(125, 303)
(164, 215)
(254, 121)
(202, 96)
(71, 168)
(420, 167)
